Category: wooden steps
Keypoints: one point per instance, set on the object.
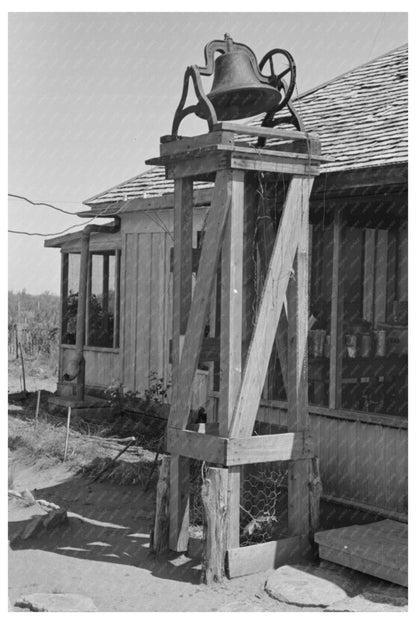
(379, 549)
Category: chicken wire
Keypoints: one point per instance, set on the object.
(263, 502)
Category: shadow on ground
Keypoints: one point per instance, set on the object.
(106, 523)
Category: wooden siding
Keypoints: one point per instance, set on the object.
(362, 462)
(102, 366)
(146, 296)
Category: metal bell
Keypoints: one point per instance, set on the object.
(237, 89)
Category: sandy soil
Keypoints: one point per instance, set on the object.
(103, 552)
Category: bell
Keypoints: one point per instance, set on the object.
(236, 91)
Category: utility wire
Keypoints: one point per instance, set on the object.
(71, 227)
(39, 203)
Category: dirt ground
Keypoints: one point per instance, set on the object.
(103, 552)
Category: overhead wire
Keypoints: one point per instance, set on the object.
(71, 227)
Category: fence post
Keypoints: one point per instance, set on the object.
(214, 499)
(160, 540)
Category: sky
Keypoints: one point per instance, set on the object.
(90, 94)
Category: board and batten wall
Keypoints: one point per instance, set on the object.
(146, 295)
(363, 457)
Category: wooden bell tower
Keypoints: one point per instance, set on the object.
(245, 346)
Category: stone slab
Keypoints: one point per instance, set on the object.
(308, 586)
(62, 603)
(369, 602)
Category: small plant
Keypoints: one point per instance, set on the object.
(153, 396)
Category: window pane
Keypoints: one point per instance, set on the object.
(70, 299)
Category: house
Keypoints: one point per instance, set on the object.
(358, 288)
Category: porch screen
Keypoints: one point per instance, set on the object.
(102, 313)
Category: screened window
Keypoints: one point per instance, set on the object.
(103, 295)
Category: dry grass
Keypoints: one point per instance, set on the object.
(45, 444)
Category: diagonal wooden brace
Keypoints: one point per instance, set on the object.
(274, 291)
(217, 216)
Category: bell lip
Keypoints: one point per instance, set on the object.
(222, 115)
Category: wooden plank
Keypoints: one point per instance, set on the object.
(143, 312)
(214, 499)
(380, 279)
(231, 304)
(249, 263)
(157, 304)
(337, 344)
(183, 144)
(179, 503)
(391, 287)
(271, 165)
(267, 556)
(196, 445)
(231, 338)
(297, 306)
(160, 541)
(267, 448)
(129, 316)
(197, 167)
(260, 131)
(195, 330)
(355, 562)
(270, 308)
(116, 332)
(182, 294)
(368, 285)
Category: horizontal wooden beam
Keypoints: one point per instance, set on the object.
(264, 448)
(237, 452)
(196, 445)
(261, 131)
(268, 556)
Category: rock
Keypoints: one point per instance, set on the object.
(56, 602)
(54, 518)
(307, 586)
(369, 602)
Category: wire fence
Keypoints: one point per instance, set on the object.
(263, 502)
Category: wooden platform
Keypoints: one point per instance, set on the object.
(379, 549)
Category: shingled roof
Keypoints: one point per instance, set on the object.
(360, 116)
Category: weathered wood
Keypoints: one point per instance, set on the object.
(196, 445)
(249, 263)
(265, 241)
(231, 304)
(260, 131)
(380, 278)
(274, 165)
(298, 497)
(337, 339)
(267, 556)
(179, 503)
(315, 492)
(297, 304)
(368, 285)
(238, 451)
(267, 448)
(379, 549)
(182, 144)
(214, 499)
(270, 308)
(160, 541)
(197, 317)
(391, 287)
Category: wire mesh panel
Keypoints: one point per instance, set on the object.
(196, 509)
(263, 506)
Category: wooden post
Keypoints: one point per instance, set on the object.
(231, 338)
(23, 367)
(182, 295)
(160, 540)
(37, 408)
(337, 313)
(297, 415)
(214, 499)
(68, 422)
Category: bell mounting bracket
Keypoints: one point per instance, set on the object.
(194, 73)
